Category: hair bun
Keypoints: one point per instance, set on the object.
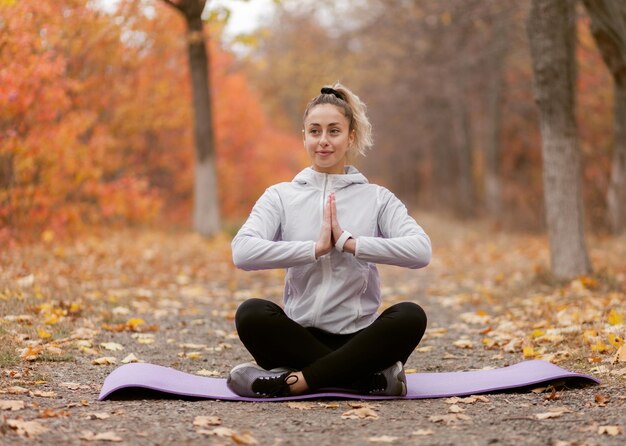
(328, 90)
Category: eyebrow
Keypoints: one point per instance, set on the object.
(332, 123)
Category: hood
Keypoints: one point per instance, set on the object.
(338, 181)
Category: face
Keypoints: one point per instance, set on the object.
(327, 137)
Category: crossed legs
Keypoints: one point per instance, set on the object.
(326, 359)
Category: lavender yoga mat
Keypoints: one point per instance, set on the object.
(420, 385)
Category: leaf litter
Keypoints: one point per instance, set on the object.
(583, 318)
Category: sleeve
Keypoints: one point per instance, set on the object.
(402, 243)
(257, 244)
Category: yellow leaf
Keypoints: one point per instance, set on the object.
(537, 333)
(134, 323)
(51, 319)
(194, 355)
(615, 341)
(615, 318)
(47, 236)
(43, 334)
(529, 351)
(599, 347)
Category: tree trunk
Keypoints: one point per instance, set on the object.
(493, 188)
(466, 193)
(551, 32)
(206, 214)
(608, 27)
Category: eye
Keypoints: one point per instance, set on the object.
(335, 131)
(314, 131)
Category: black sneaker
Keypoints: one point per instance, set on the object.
(389, 382)
(255, 382)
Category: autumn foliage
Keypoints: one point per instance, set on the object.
(96, 123)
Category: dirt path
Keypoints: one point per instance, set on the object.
(193, 314)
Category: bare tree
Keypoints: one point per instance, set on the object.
(608, 26)
(551, 31)
(206, 216)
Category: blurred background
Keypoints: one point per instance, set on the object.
(97, 127)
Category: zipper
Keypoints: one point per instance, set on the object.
(326, 267)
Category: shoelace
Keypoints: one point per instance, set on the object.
(274, 386)
(378, 383)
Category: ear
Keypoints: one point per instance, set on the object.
(303, 138)
(352, 137)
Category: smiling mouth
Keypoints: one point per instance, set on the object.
(324, 153)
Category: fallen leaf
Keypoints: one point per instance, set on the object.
(360, 413)
(410, 371)
(455, 409)
(192, 346)
(601, 400)
(610, 430)
(422, 432)
(243, 438)
(11, 404)
(27, 429)
(614, 318)
(301, 405)
(449, 418)
(192, 355)
(382, 439)
(467, 400)
(31, 353)
(97, 416)
(554, 413)
(329, 405)
(219, 431)
(105, 360)
(113, 346)
(131, 358)
(425, 349)
(43, 334)
(50, 413)
(620, 355)
(205, 372)
(44, 394)
(104, 436)
(16, 390)
(463, 343)
(204, 421)
(70, 386)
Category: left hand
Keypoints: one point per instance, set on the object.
(350, 245)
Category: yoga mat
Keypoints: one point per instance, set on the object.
(420, 385)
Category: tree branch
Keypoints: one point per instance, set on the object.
(174, 5)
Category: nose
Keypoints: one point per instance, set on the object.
(323, 140)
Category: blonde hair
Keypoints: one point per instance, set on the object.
(353, 109)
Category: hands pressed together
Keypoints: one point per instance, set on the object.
(331, 231)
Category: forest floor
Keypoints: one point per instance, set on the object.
(71, 312)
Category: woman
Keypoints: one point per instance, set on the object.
(328, 227)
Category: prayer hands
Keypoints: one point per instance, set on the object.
(331, 231)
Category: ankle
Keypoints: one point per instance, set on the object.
(297, 383)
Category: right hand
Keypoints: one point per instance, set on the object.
(325, 242)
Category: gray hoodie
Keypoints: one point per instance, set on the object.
(339, 292)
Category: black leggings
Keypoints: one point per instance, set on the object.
(327, 359)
